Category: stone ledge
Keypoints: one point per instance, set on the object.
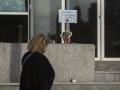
(103, 86)
(66, 83)
(107, 72)
(9, 84)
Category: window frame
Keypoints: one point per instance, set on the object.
(100, 32)
(21, 13)
(103, 58)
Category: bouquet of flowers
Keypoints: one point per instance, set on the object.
(66, 36)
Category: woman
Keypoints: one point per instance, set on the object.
(37, 72)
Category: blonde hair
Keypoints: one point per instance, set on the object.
(38, 43)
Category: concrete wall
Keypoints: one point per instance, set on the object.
(70, 61)
(10, 61)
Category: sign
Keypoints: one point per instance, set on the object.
(67, 16)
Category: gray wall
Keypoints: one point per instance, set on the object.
(70, 61)
(10, 61)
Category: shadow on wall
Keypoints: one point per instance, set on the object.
(15, 61)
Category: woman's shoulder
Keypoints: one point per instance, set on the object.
(40, 57)
(37, 54)
(25, 55)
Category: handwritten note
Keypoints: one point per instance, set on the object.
(67, 16)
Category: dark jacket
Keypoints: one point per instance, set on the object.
(37, 73)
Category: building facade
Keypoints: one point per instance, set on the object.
(97, 23)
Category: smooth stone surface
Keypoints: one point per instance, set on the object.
(72, 61)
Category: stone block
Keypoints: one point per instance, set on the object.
(72, 61)
(104, 77)
(117, 77)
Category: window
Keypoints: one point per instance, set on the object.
(13, 5)
(45, 18)
(14, 28)
(98, 24)
(85, 31)
(112, 28)
(14, 21)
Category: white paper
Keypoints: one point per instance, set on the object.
(67, 16)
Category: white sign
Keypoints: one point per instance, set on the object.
(67, 16)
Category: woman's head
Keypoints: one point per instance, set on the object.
(38, 43)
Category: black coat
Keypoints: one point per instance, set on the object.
(37, 73)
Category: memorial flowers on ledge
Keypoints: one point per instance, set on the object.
(66, 36)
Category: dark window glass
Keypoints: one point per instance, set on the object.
(112, 28)
(85, 31)
(13, 28)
